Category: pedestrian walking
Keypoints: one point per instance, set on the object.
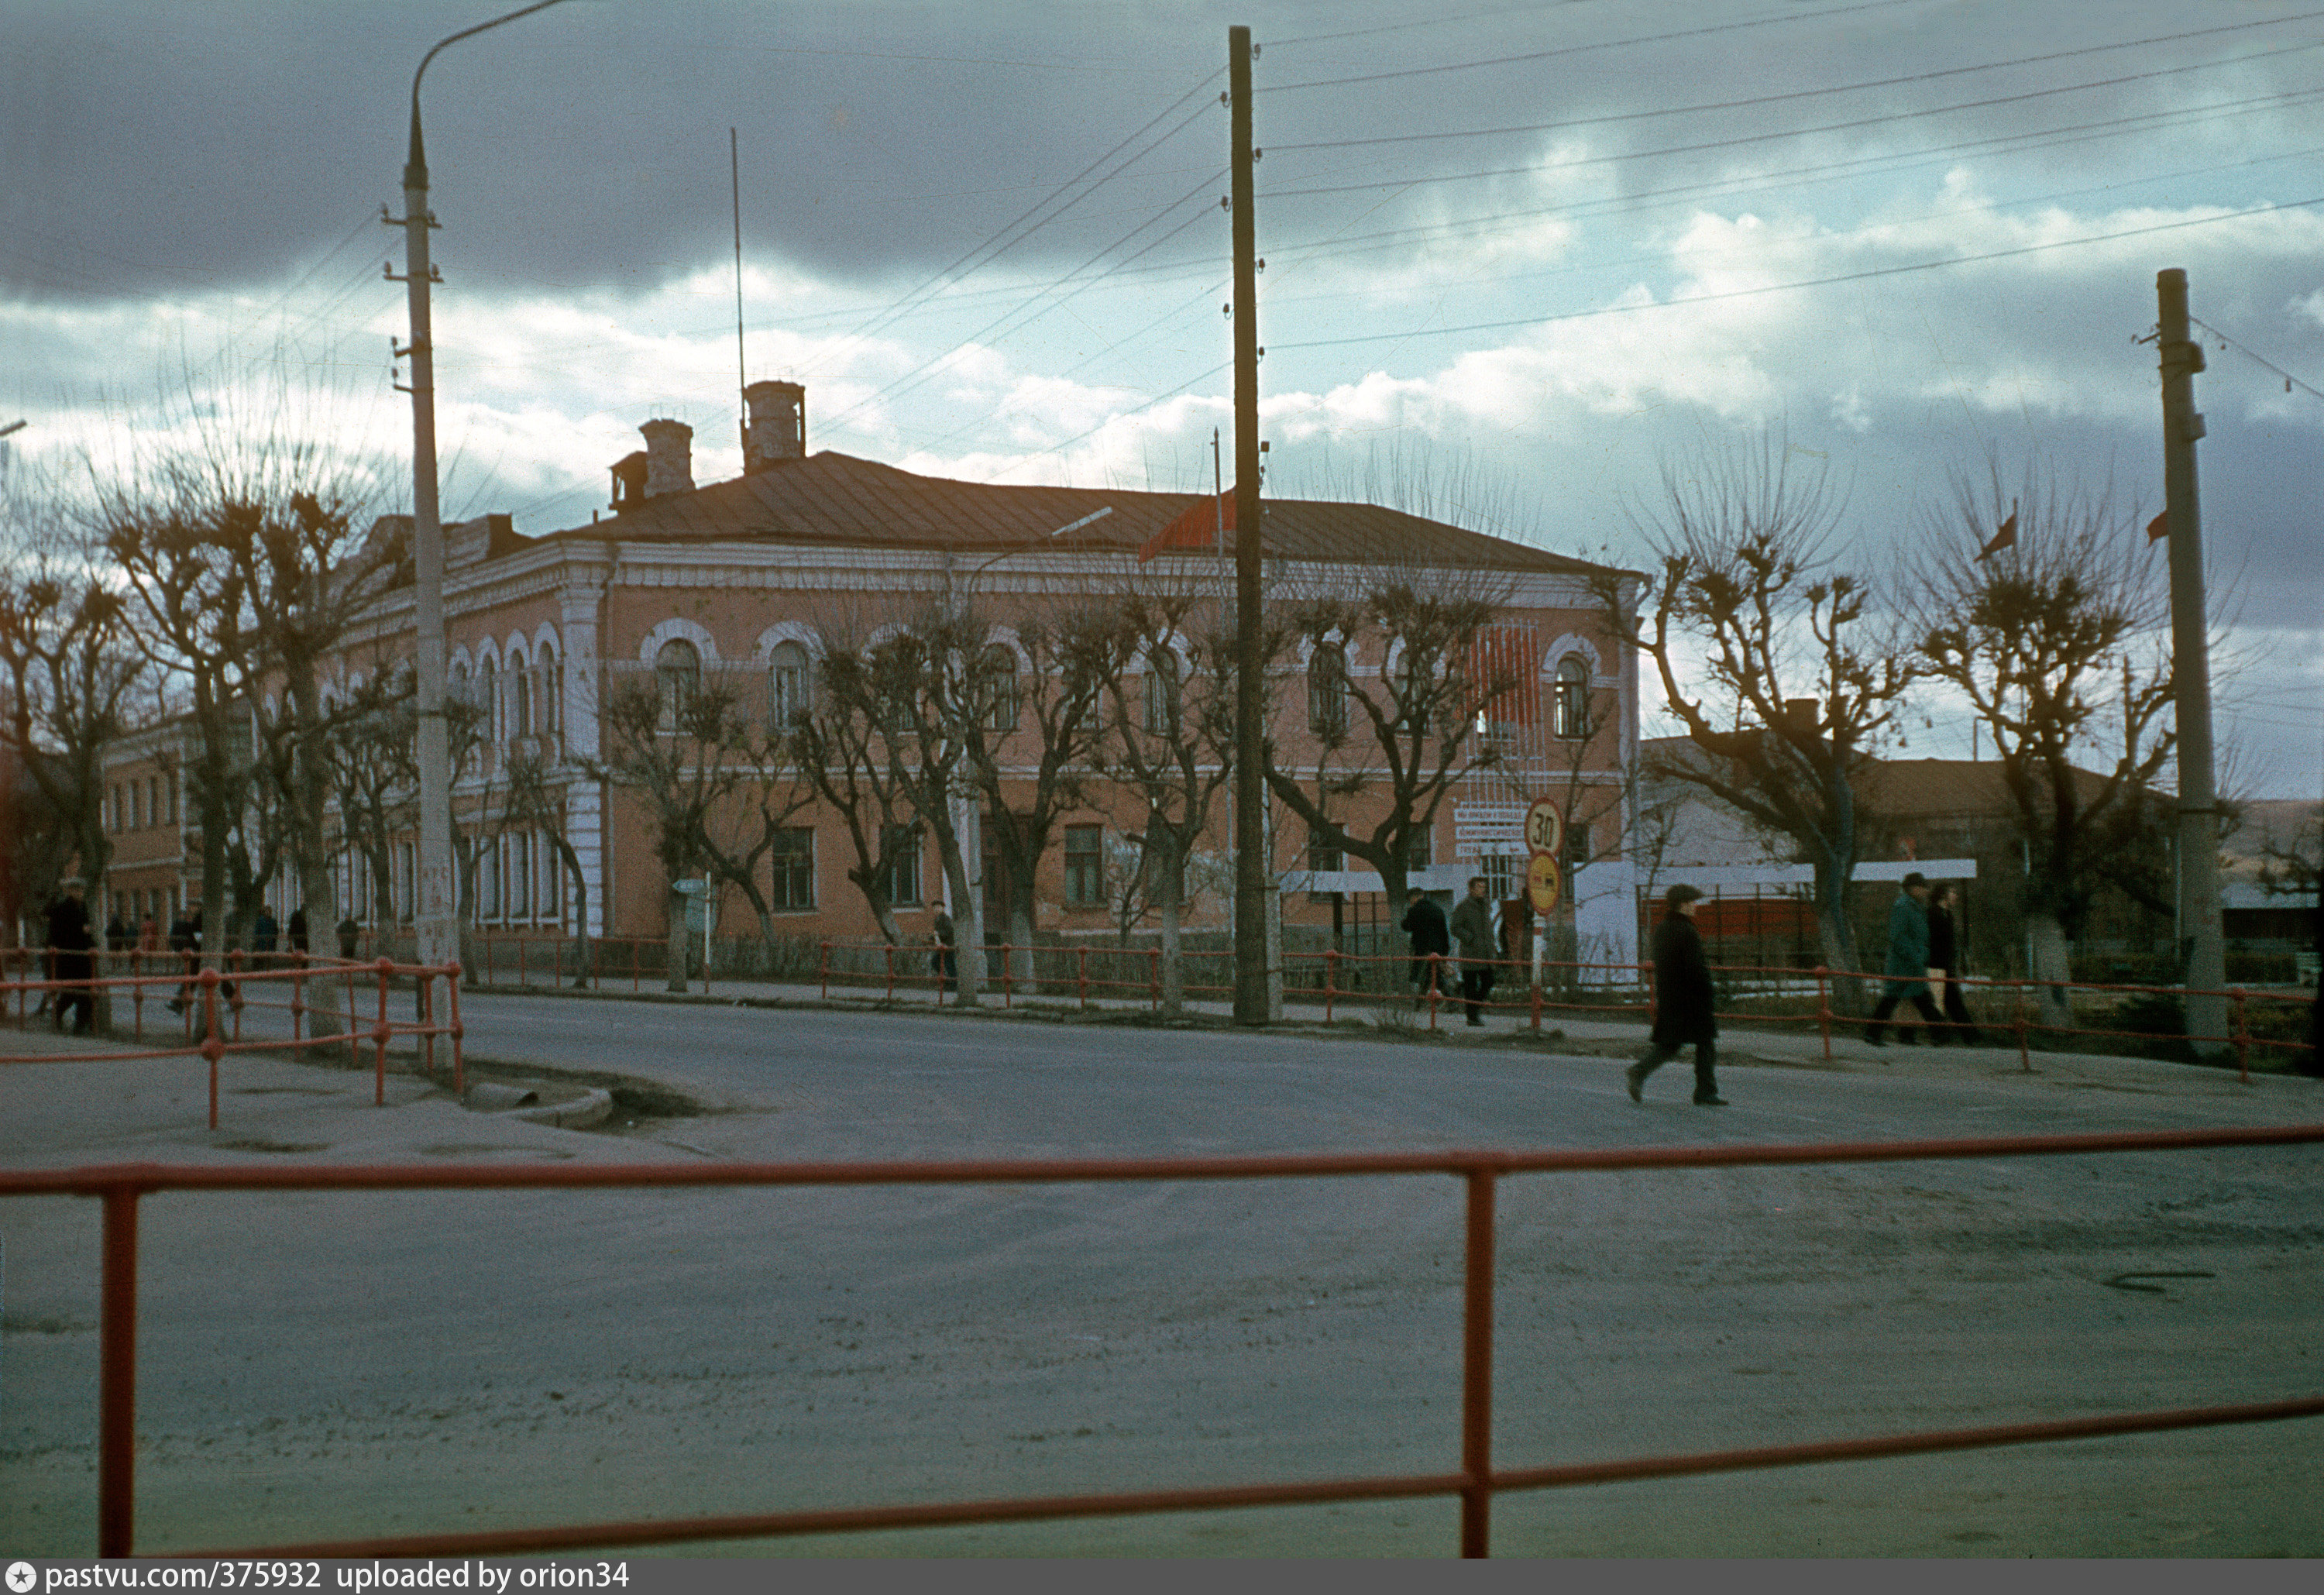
(263, 932)
(1423, 923)
(297, 929)
(1907, 966)
(1684, 1002)
(1944, 965)
(70, 963)
(349, 930)
(185, 942)
(946, 959)
(1472, 930)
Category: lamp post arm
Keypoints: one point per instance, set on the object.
(417, 167)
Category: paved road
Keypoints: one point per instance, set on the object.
(324, 1365)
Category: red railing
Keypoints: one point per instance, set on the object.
(1475, 1481)
(210, 1003)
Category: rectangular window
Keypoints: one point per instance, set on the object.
(136, 807)
(1086, 866)
(173, 801)
(1500, 872)
(521, 876)
(1419, 849)
(403, 894)
(793, 860)
(1577, 848)
(903, 844)
(488, 881)
(153, 801)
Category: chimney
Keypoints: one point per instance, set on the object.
(776, 429)
(669, 457)
(628, 483)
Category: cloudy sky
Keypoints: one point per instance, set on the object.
(1538, 248)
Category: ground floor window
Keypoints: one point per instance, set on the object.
(1086, 866)
(903, 846)
(793, 858)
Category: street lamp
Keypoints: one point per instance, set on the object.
(433, 920)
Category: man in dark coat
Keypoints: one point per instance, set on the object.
(1908, 963)
(1472, 925)
(70, 937)
(1423, 922)
(1684, 1001)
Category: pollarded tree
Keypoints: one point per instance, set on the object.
(1800, 677)
(2057, 642)
(1392, 741)
(1167, 738)
(837, 743)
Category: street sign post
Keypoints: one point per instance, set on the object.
(1544, 838)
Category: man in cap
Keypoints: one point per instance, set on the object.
(1908, 955)
(71, 943)
(1684, 1001)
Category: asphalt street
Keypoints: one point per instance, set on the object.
(317, 1364)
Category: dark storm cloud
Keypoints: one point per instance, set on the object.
(162, 150)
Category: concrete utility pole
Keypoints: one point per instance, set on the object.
(434, 916)
(2201, 945)
(1253, 866)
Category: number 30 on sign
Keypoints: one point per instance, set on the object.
(1545, 829)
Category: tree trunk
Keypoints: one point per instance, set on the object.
(2053, 967)
(1174, 974)
(968, 928)
(1020, 949)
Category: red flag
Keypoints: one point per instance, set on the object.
(2159, 527)
(2005, 538)
(1197, 529)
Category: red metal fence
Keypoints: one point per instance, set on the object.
(209, 1006)
(1475, 1481)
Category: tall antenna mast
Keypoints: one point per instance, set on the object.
(742, 371)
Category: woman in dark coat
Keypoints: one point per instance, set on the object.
(1944, 953)
(1684, 1001)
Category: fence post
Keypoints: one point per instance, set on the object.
(2242, 1036)
(1477, 1372)
(380, 1034)
(236, 962)
(1008, 974)
(213, 1046)
(1154, 975)
(891, 972)
(116, 1454)
(2025, 1055)
(823, 970)
(297, 995)
(1330, 980)
(452, 995)
(426, 1006)
(1081, 973)
(1824, 1008)
(1533, 995)
(1436, 984)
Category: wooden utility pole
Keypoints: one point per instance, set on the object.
(1254, 869)
(2202, 946)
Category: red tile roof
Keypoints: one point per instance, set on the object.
(837, 501)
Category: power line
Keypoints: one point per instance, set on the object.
(1788, 133)
(1543, 55)
(2290, 381)
(1704, 298)
(1803, 94)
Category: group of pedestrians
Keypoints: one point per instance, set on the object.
(1433, 937)
(1923, 967)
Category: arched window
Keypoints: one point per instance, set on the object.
(787, 683)
(1570, 706)
(996, 674)
(1327, 690)
(552, 691)
(488, 701)
(1163, 696)
(678, 673)
(519, 698)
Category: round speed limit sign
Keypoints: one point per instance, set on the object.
(1545, 829)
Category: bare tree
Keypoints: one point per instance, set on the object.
(2056, 642)
(1390, 744)
(1799, 678)
(838, 743)
(670, 741)
(1165, 736)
